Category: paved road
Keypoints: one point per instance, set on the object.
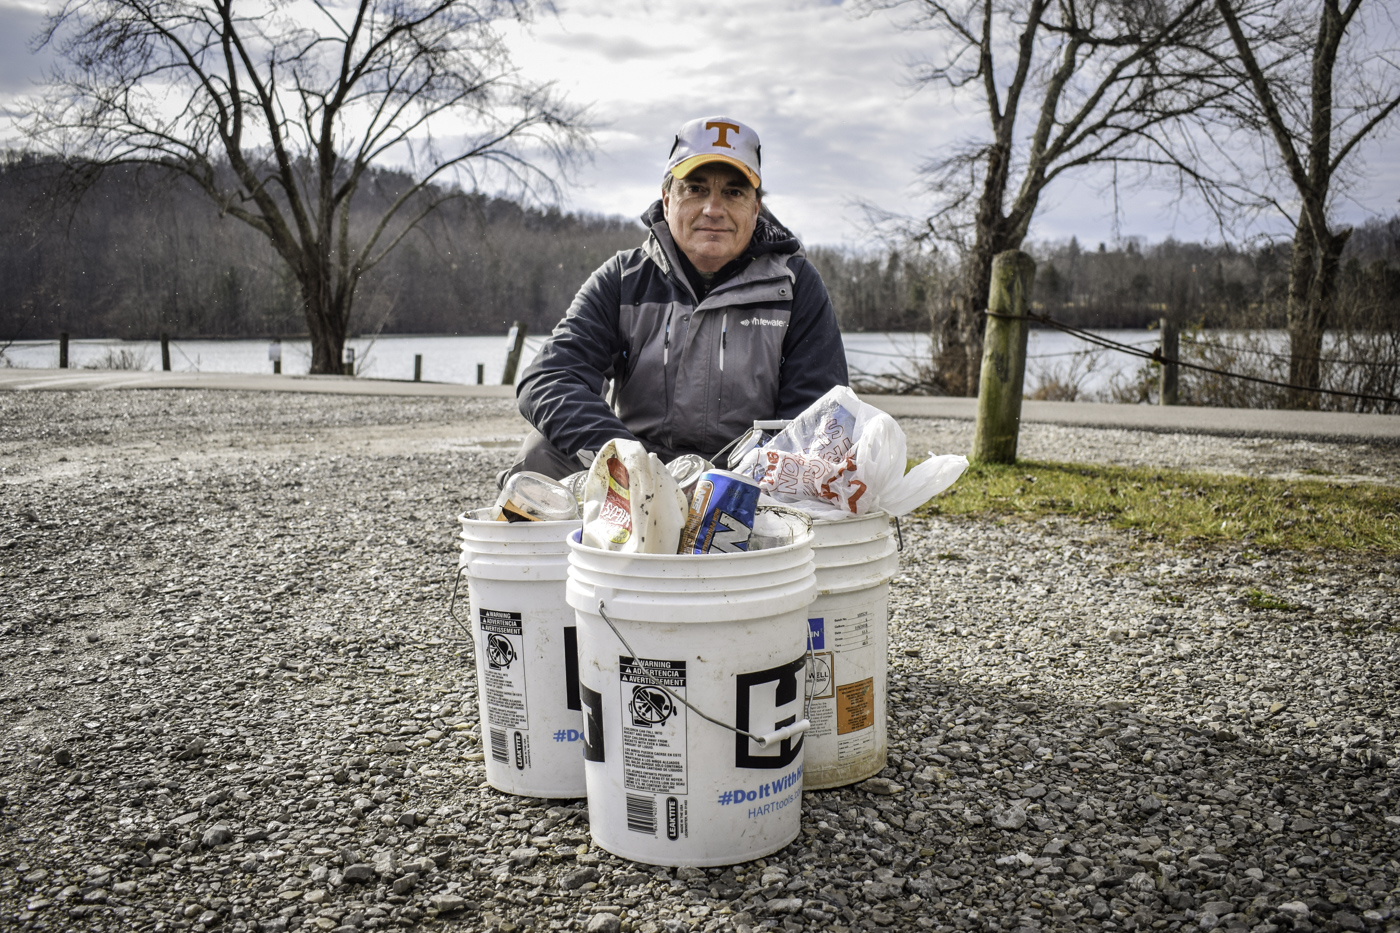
(1229, 422)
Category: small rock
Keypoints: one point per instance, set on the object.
(1149, 804)
(1294, 911)
(882, 786)
(524, 857)
(687, 873)
(62, 756)
(1011, 818)
(604, 923)
(1034, 792)
(217, 835)
(124, 888)
(405, 884)
(447, 903)
(408, 819)
(361, 873)
(578, 878)
(785, 905)
(190, 751)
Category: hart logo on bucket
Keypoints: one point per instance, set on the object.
(816, 634)
(653, 726)
(592, 705)
(768, 701)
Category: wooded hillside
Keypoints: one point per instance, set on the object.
(142, 254)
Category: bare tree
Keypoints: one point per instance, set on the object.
(1293, 101)
(277, 113)
(1094, 79)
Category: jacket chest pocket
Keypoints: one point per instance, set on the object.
(749, 358)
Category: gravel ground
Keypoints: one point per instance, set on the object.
(229, 700)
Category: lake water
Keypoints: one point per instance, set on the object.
(455, 359)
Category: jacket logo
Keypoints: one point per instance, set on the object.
(722, 131)
(761, 322)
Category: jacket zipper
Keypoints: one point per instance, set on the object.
(723, 338)
(666, 344)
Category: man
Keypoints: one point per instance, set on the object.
(718, 320)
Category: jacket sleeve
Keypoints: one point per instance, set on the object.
(814, 358)
(561, 392)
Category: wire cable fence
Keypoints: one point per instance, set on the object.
(1374, 381)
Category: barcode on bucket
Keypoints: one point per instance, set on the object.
(641, 814)
(498, 745)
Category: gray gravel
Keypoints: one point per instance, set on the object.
(229, 699)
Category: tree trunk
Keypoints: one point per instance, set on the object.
(327, 325)
(1312, 291)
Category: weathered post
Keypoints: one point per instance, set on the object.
(349, 361)
(480, 373)
(63, 350)
(1170, 371)
(165, 352)
(515, 341)
(274, 353)
(1003, 359)
(417, 367)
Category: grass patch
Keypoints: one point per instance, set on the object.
(1185, 508)
(1258, 599)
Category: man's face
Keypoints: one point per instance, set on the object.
(711, 213)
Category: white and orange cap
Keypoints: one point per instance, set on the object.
(716, 139)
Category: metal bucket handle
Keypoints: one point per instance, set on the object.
(452, 611)
(763, 741)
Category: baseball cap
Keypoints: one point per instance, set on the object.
(715, 139)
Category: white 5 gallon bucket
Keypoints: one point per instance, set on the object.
(682, 648)
(849, 630)
(526, 654)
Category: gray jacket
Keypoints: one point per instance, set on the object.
(686, 376)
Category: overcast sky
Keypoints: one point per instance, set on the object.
(824, 88)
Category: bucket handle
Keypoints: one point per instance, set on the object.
(452, 610)
(763, 741)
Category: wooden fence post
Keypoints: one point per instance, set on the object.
(417, 367)
(349, 363)
(480, 373)
(516, 339)
(1003, 359)
(1170, 371)
(165, 352)
(63, 350)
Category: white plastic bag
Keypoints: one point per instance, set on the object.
(631, 501)
(842, 457)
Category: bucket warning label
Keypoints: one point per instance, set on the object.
(855, 706)
(503, 648)
(653, 725)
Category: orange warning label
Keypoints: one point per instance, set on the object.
(855, 706)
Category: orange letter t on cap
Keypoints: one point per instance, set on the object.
(723, 129)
